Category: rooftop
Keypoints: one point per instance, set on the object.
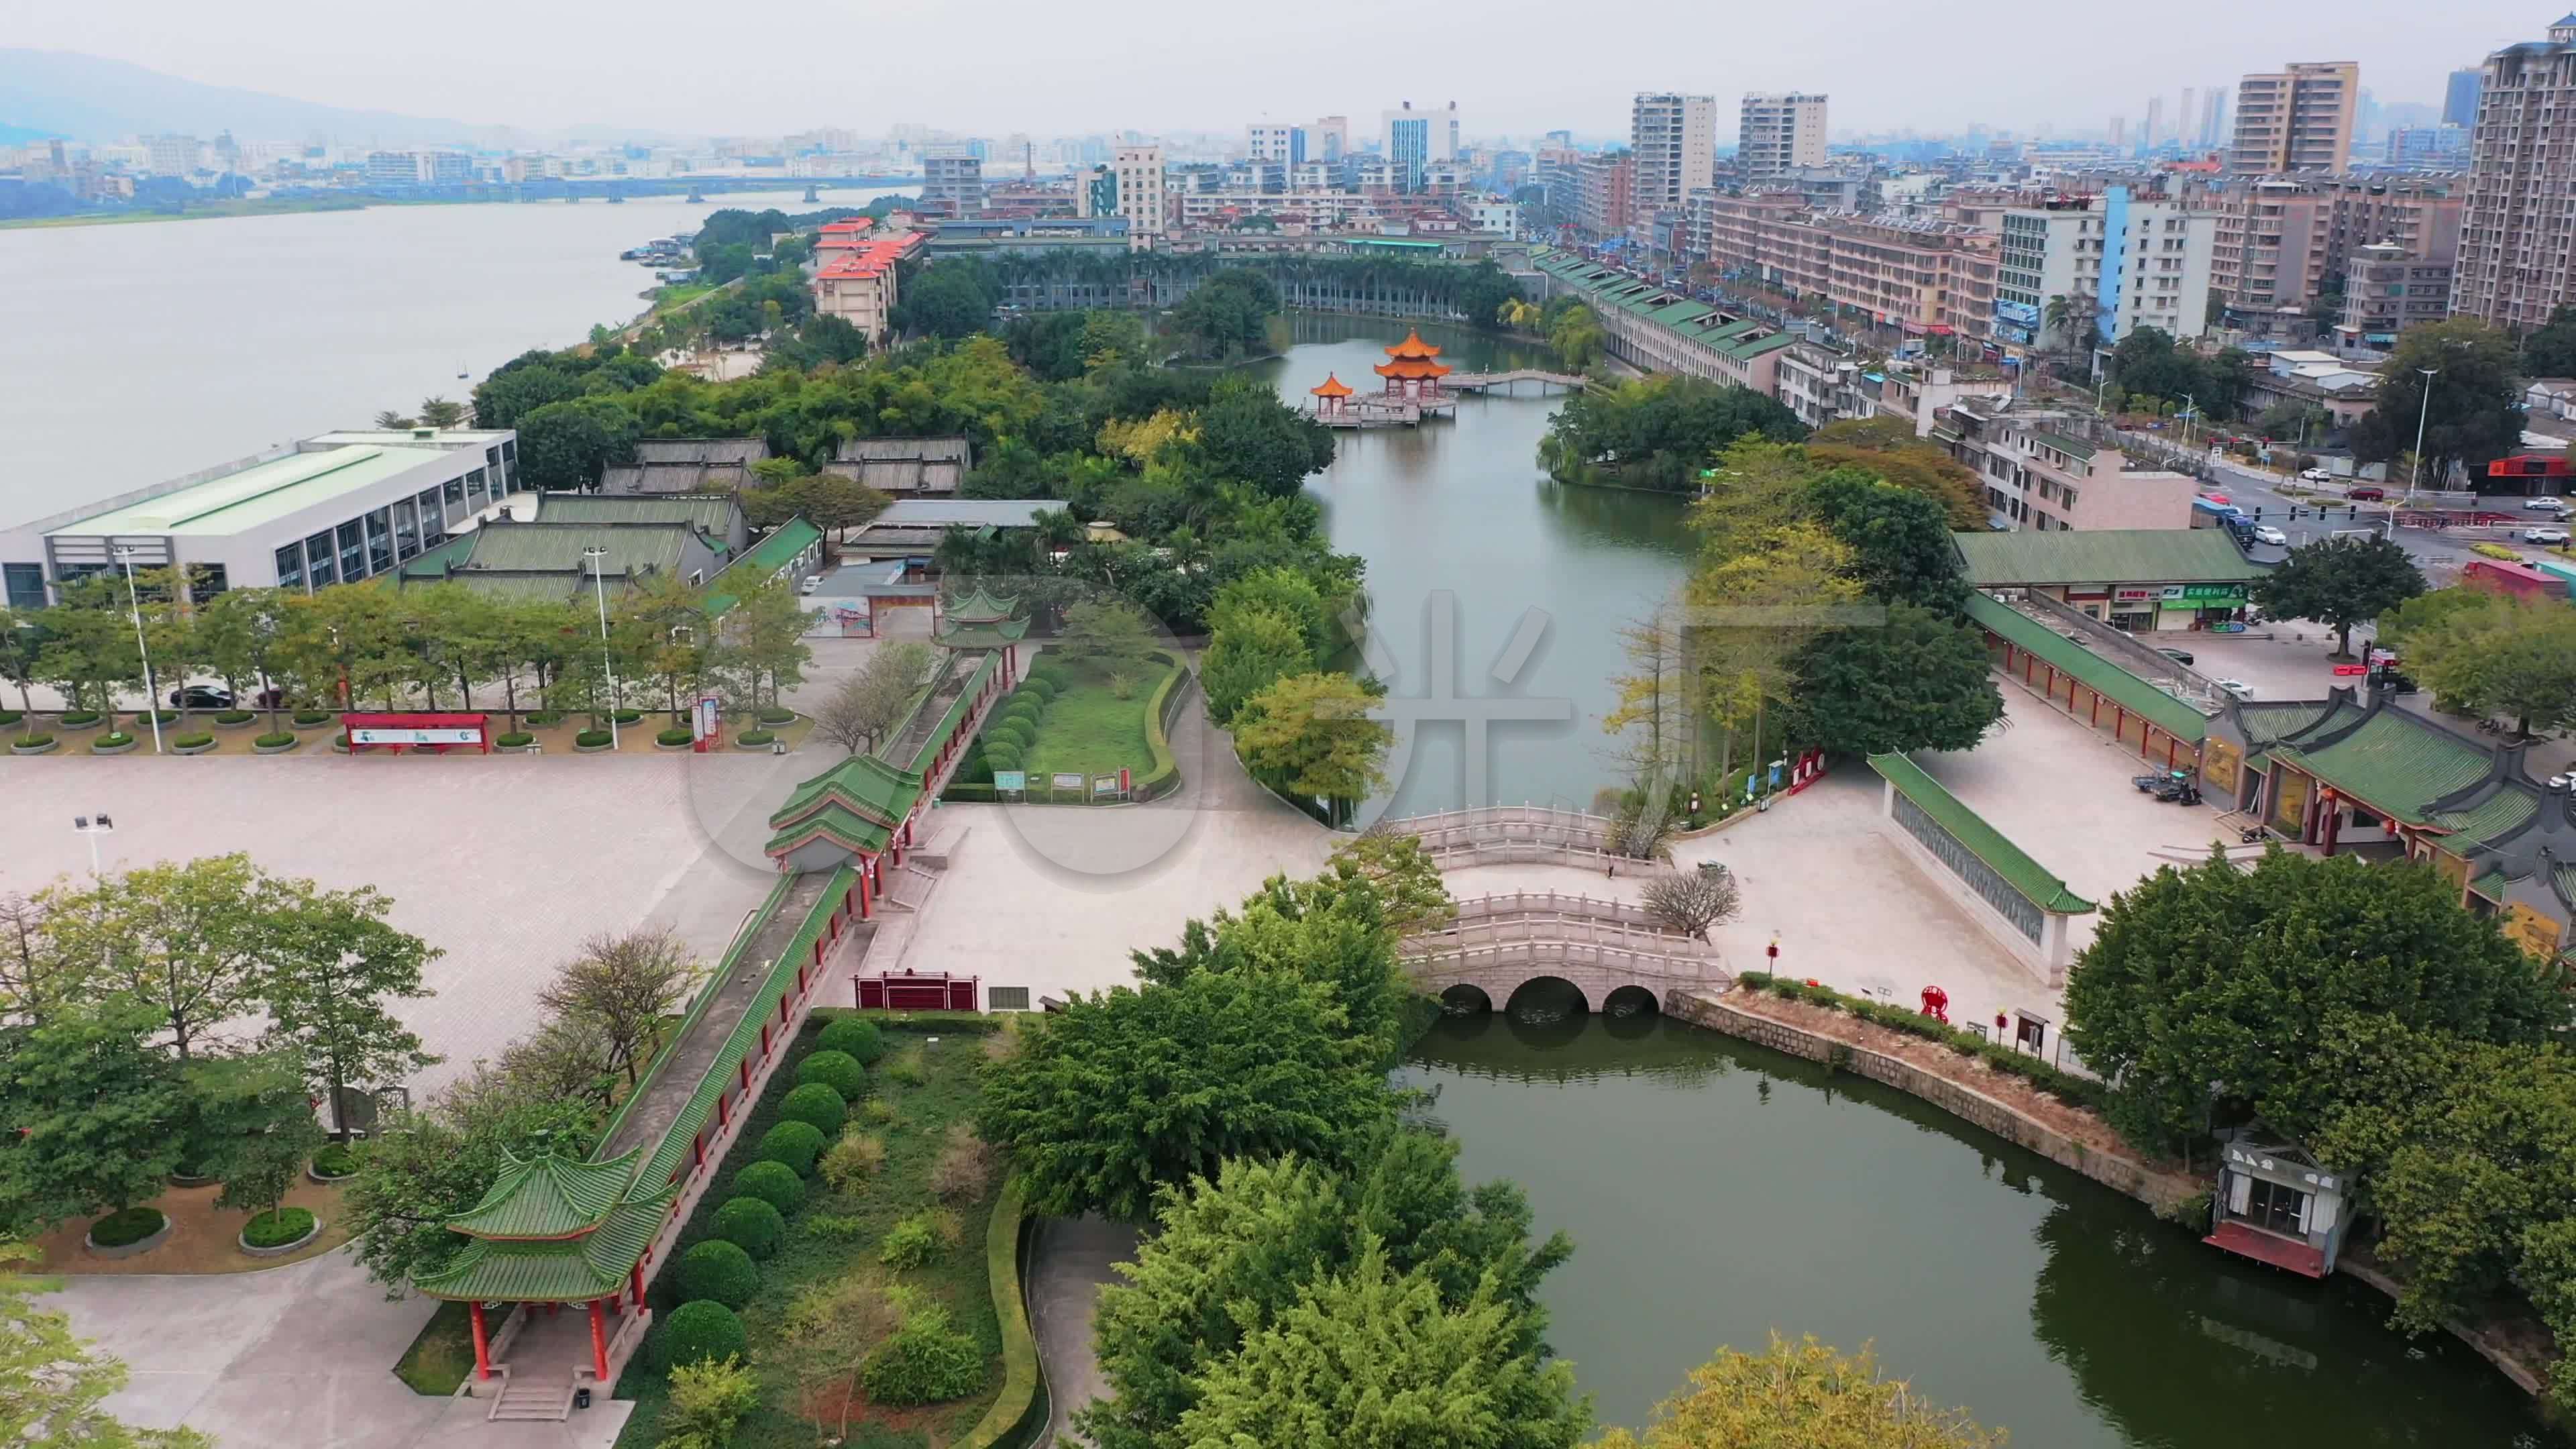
(259, 494)
(963, 513)
(2104, 556)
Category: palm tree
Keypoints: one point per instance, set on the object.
(392, 421)
(438, 412)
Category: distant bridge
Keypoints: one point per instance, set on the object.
(1508, 381)
(1497, 944)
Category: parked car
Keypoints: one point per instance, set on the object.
(2366, 495)
(2552, 536)
(2546, 505)
(2178, 656)
(2266, 533)
(2237, 687)
(2315, 475)
(812, 583)
(215, 696)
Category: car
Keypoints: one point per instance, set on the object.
(2544, 535)
(2546, 505)
(215, 696)
(2178, 656)
(2266, 533)
(2315, 475)
(2366, 495)
(2237, 687)
(812, 582)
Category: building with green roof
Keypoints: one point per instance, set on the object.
(2140, 579)
(2031, 904)
(1661, 330)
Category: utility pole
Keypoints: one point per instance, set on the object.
(2416, 479)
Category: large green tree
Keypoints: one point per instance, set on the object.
(1900, 540)
(99, 1113)
(1312, 734)
(190, 942)
(2475, 415)
(2497, 655)
(1658, 432)
(1228, 315)
(945, 300)
(2550, 350)
(1920, 680)
(333, 969)
(2211, 974)
(426, 1166)
(563, 446)
(1800, 1396)
(1246, 433)
(1128, 1090)
(2340, 581)
(1251, 650)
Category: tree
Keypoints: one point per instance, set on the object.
(1289, 592)
(2340, 581)
(875, 699)
(1575, 336)
(1129, 1090)
(1652, 709)
(1246, 433)
(333, 965)
(1411, 895)
(1887, 449)
(51, 1385)
(268, 1132)
(438, 412)
(1228, 316)
(945, 300)
(190, 942)
(2074, 321)
(2550, 350)
(424, 1167)
(392, 422)
(1482, 294)
(1690, 901)
(237, 634)
(1332, 931)
(2505, 656)
(1110, 634)
(1919, 681)
(1658, 432)
(2475, 415)
(22, 644)
(1253, 649)
(1900, 541)
(88, 649)
(619, 990)
(764, 639)
(563, 446)
(1312, 734)
(1372, 1356)
(97, 1111)
(1800, 1396)
(2212, 974)
(829, 501)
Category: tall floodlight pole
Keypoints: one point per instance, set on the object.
(2415, 479)
(151, 691)
(599, 585)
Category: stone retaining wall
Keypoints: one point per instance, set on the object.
(2161, 1191)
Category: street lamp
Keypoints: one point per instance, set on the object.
(599, 585)
(2416, 479)
(91, 827)
(134, 605)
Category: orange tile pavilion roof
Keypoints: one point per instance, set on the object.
(1412, 358)
(1333, 387)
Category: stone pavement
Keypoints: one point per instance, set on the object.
(1071, 1260)
(298, 1357)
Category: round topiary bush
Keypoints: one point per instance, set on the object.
(121, 1229)
(775, 714)
(839, 1071)
(1002, 756)
(515, 739)
(335, 1160)
(1045, 687)
(751, 1225)
(675, 737)
(281, 740)
(149, 716)
(541, 719)
(852, 1036)
(112, 741)
(80, 716)
(700, 1332)
(592, 740)
(1014, 732)
(277, 1228)
(627, 716)
(308, 718)
(192, 742)
(796, 1144)
(818, 1104)
(720, 1271)
(234, 716)
(1023, 706)
(772, 1181)
(753, 739)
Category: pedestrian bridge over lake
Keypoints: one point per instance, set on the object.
(1511, 381)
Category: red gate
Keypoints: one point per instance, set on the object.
(918, 991)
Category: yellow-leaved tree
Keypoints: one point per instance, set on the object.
(1801, 1395)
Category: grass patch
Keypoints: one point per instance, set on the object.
(833, 1243)
(1089, 729)
(680, 295)
(440, 1358)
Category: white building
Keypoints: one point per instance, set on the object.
(332, 509)
(1414, 139)
(1674, 140)
(1140, 174)
(1265, 142)
(1496, 218)
(1329, 139)
(1779, 130)
(2135, 261)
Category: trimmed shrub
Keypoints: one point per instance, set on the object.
(1015, 732)
(751, 1224)
(133, 1225)
(818, 1104)
(222, 717)
(80, 716)
(1045, 687)
(923, 1362)
(190, 742)
(152, 716)
(700, 1332)
(796, 1144)
(112, 738)
(277, 1228)
(1023, 706)
(9, 717)
(774, 714)
(676, 736)
(1002, 755)
(514, 739)
(853, 1036)
(276, 741)
(839, 1071)
(33, 741)
(311, 717)
(853, 1160)
(772, 1181)
(908, 1244)
(627, 716)
(335, 1160)
(593, 738)
(754, 737)
(719, 1271)
(541, 718)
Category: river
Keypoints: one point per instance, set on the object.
(1717, 1191)
(143, 352)
(1460, 506)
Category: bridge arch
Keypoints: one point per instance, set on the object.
(1630, 1000)
(1546, 998)
(1466, 998)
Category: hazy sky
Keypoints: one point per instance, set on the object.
(1046, 66)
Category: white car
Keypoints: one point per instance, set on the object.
(2316, 475)
(2552, 536)
(812, 583)
(2237, 687)
(2266, 533)
(2546, 505)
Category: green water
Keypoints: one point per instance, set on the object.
(1717, 1191)
(1459, 505)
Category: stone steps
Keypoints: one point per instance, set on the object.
(533, 1401)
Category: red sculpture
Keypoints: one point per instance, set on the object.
(1936, 1004)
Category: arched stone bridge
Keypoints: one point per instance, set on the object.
(1497, 944)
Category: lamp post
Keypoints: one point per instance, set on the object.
(599, 585)
(2415, 479)
(134, 606)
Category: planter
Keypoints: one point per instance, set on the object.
(312, 720)
(10, 718)
(149, 717)
(190, 1179)
(113, 744)
(318, 1168)
(674, 740)
(241, 1240)
(544, 719)
(35, 745)
(625, 717)
(272, 745)
(135, 1249)
(194, 746)
(753, 740)
(233, 719)
(773, 715)
(80, 720)
(598, 749)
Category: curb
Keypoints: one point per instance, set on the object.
(285, 749)
(132, 1250)
(47, 748)
(282, 1249)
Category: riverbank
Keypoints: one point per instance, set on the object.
(205, 211)
(218, 210)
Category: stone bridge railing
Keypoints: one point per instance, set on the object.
(1500, 943)
(1512, 835)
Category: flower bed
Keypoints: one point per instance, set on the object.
(31, 745)
(273, 744)
(115, 742)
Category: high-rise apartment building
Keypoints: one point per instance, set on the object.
(952, 182)
(2213, 116)
(171, 155)
(2186, 119)
(1138, 171)
(1605, 193)
(2460, 98)
(2514, 264)
(2129, 260)
(1415, 139)
(2284, 241)
(1779, 131)
(2155, 129)
(2299, 119)
(1674, 138)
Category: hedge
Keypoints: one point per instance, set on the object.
(1023, 1399)
(699, 1331)
(719, 1271)
(954, 1022)
(751, 1224)
(593, 738)
(852, 1036)
(676, 735)
(817, 1104)
(772, 1181)
(121, 1229)
(2057, 1082)
(1045, 688)
(278, 1227)
(795, 1144)
(839, 1071)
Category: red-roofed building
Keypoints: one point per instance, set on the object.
(840, 238)
(857, 283)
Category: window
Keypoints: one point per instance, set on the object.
(477, 491)
(380, 541)
(353, 554)
(1006, 998)
(2276, 1207)
(455, 490)
(24, 585)
(317, 553)
(290, 566)
(433, 526)
(406, 531)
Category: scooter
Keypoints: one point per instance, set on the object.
(2249, 835)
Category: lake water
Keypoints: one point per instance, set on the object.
(1717, 1192)
(1460, 508)
(145, 351)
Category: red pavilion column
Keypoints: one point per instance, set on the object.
(482, 1341)
(599, 1343)
(635, 1282)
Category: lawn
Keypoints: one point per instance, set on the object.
(1089, 730)
(832, 1242)
(440, 1358)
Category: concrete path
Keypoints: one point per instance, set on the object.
(298, 1357)
(1071, 1260)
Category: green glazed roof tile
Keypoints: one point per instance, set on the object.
(1981, 839)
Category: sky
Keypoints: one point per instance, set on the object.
(1517, 67)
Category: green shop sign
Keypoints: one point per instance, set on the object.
(2204, 593)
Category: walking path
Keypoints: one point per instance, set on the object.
(1072, 1260)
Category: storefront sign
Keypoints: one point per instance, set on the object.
(2133, 596)
(2207, 594)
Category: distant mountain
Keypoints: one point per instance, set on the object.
(89, 98)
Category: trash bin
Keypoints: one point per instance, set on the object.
(581, 1398)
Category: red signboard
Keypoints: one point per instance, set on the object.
(432, 730)
(2344, 670)
(918, 991)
